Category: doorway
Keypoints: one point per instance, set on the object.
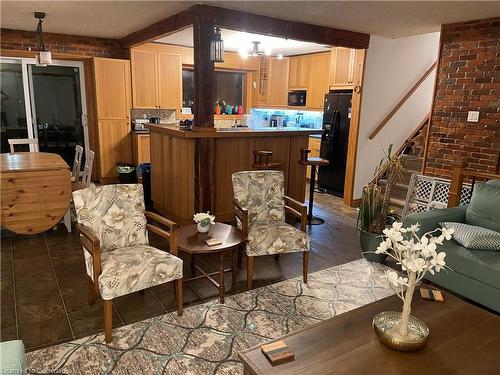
(46, 103)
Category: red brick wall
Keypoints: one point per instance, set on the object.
(19, 40)
(468, 80)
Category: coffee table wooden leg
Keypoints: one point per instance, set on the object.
(221, 277)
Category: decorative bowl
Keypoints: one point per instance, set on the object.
(385, 324)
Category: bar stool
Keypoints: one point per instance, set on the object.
(262, 160)
(313, 163)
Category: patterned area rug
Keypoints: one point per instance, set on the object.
(207, 339)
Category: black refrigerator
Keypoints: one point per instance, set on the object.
(334, 141)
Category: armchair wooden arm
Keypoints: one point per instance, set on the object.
(298, 210)
(242, 215)
(91, 244)
(170, 235)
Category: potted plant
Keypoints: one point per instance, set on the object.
(374, 208)
(416, 255)
(203, 221)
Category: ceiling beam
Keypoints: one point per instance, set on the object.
(249, 22)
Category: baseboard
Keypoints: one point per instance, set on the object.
(355, 203)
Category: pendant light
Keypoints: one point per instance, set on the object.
(216, 46)
(43, 57)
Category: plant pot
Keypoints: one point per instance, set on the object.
(369, 243)
(203, 228)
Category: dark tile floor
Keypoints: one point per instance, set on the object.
(44, 284)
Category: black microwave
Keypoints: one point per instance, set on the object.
(297, 98)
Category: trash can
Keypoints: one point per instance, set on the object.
(126, 173)
(144, 170)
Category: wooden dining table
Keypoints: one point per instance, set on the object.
(36, 191)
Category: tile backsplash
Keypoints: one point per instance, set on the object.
(166, 115)
(262, 118)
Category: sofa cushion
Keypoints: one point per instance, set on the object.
(275, 238)
(493, 183)
(474, 238)
(484, 207)
(12, 357)
(481, 265)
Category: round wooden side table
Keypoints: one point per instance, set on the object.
(191, 241)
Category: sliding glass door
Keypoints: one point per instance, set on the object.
(55, 111)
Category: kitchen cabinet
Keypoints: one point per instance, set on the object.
(342, 68)
(112, 103)
(277, 82)
(315, 147)
(156, 79)
(318, 66)
(299, 72)
(141, 148)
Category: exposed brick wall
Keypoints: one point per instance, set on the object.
(20, 40)
(468, 80)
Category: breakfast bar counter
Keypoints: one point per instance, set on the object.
(176, 186)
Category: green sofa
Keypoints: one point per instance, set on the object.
(474, 274)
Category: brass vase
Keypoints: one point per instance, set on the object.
(385, 325)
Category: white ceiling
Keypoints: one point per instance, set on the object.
(236, 40)
(115, 19)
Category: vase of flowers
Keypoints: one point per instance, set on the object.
(416, 256)
(203, 221)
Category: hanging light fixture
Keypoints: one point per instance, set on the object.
(216, 47)
(256, 50)
(43, 57)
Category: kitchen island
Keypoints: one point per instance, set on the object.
(176, 186)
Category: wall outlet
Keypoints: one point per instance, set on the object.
(473, 116)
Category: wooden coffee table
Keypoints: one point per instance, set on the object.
(193, 242)
(464, 339)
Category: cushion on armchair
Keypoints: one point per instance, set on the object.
(484, 207)
(275, 238)
(474, 238)
(114, 213)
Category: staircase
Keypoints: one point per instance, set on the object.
(412, 152)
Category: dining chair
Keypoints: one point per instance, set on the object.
(23, 141)
(77, 162)
(260, 208)
(82, 183)
(113, 231)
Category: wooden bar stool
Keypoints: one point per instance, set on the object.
(262, 160)
(313, 163)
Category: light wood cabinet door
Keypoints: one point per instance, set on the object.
(359, 60)
(141, 148)
(144, 79)
(293, 72)
(315, 147)
(318, 65)
(299, 67)
(342, 73)
(277, 82)
(169, 81)
(112, 85)
(114, 146)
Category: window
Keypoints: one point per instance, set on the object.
(228, 88)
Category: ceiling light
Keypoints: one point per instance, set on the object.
(216, 47)
(243, 52)
(279, 56)
(256, 50)
(43, 57)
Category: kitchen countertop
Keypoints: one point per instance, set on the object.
(173, 129)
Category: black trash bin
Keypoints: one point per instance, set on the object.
(126, 173)
(144, 170)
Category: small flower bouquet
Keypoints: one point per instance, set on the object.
(203, 221)
(416, 256)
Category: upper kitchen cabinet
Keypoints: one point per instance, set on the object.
(318, 65)
(346, 65)
(277, 82)
(112, 85)
(156, 79)
(298, 76)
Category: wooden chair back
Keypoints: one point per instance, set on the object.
(23, 141)
(87, 169)
(77, 162)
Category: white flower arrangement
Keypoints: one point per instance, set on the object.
(204, 218)
(417, 256)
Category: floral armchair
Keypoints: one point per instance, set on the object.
(261, 206)
(113, 231)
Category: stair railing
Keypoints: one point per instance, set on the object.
(458, 174)
(402, 101)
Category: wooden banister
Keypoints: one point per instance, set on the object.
(458, 173)
(402, 101)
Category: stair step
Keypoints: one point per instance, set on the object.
(397, 202)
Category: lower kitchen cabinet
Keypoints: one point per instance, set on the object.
(114, 146)
(315, 147)
(141, 148)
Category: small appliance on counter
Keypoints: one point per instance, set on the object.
(185, 124)
(138, 125)
(154, 120)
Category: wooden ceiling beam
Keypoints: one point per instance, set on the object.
(249, 22)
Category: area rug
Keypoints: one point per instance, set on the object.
(208, 337)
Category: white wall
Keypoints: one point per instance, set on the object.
(392, 67)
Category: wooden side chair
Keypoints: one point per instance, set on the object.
(80, 183)
(23, 141)
(113, 230)
(261, 205)
(77, 162)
